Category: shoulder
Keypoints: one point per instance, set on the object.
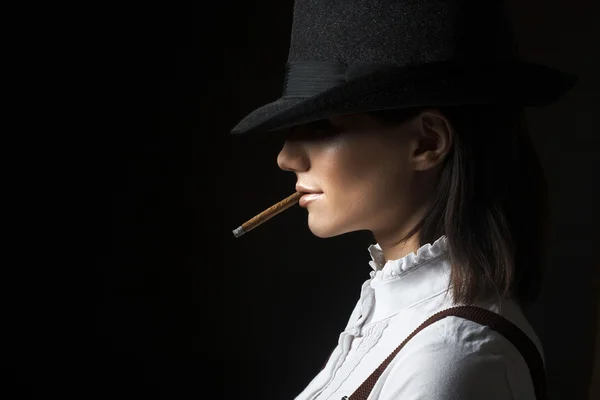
(455, 339)
(451, 359)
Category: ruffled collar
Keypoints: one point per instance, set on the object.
(383, 270)
(397, 284)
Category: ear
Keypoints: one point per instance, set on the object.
(433, 140)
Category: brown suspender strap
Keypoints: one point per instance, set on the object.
(483, 317)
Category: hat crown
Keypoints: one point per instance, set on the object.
(401, 32)
(350, 56)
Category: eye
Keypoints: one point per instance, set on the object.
(317, 130)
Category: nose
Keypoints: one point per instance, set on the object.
(293, 157)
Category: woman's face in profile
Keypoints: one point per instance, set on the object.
(361, 166)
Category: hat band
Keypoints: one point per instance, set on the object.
(305, 79)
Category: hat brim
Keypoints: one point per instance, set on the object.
(438, 84)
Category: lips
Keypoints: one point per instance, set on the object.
(309, 198)
(310, 194)
(306, 189)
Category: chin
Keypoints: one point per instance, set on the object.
(323, 229)
(323, 234)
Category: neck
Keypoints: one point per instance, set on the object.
(392, 241)
(394, 245)
(394, 250)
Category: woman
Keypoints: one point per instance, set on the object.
(455, 215)
(407, 118)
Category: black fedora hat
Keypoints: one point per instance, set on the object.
(350, 56)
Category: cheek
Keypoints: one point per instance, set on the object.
(343, 168)
(366, 184)
(358, 170)
(350, 181)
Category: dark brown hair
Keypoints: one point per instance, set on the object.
(491, 203)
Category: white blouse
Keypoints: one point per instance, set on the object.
(453, 358)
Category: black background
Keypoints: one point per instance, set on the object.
(184, 310)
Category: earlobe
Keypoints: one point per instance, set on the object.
(434, 140)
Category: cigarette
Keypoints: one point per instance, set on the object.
(267, 214)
